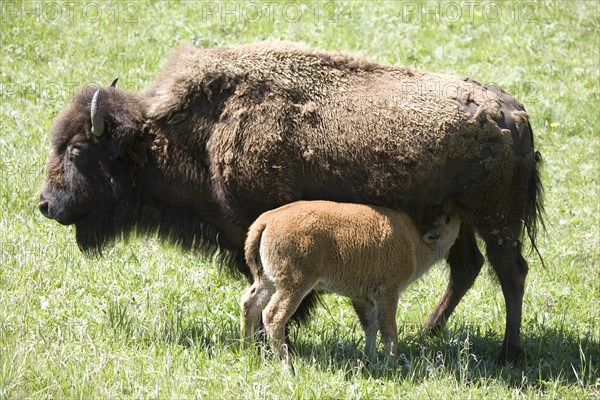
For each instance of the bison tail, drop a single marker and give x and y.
(252, 249)
(534, 210)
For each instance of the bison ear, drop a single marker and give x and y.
(96, 116)
(116, 148)
(137, 153)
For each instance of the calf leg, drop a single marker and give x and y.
(253, 301)
(367, 315)
(511, 269)
(279, 310)
(386, 314)
(465, 261)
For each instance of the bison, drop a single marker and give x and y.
(367, 253)
(225, 134)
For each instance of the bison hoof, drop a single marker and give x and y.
(434, 330)
(510, 354)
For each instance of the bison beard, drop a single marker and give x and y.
(225, 134)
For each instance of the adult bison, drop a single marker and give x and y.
(225, 134)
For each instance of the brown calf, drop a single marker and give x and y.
(367, 253)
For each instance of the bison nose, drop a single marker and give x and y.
(44, 207)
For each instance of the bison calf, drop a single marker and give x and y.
(367, 253)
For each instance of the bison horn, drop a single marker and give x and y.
(97, 117)
(113, 84)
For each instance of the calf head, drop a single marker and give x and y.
(445, 227)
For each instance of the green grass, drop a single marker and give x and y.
(148, 321)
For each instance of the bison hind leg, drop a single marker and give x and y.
(511, 268)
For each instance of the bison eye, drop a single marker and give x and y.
(447, 219)
(74, 153)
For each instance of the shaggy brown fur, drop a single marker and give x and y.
(225, 134)
(367, 253)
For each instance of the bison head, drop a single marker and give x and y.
(91, 170)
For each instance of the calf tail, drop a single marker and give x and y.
(252, 249)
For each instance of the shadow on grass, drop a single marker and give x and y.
(552, 356)
(464, 353)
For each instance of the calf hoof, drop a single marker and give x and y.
(510, 354)
(288, 367)
(391, 361)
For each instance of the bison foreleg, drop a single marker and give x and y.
(465, 261)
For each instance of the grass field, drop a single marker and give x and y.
(148, 321)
